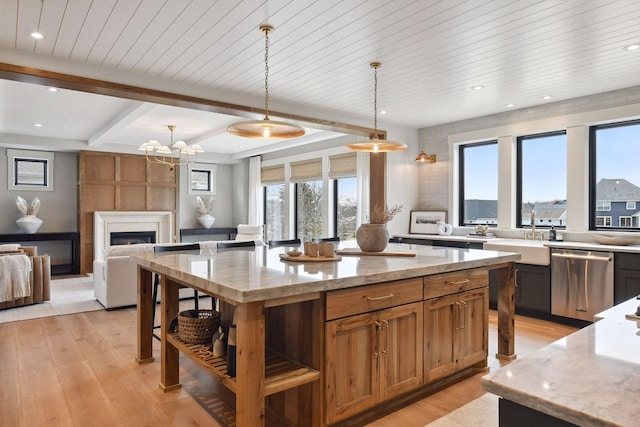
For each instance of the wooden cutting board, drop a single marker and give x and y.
(306, 258)
(358, 252)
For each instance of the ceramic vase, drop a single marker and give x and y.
(29, 224)
(206, 220)
(372, 237)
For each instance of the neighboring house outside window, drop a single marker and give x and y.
(603, 221)
(625, 221)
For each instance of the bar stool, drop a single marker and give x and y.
(278, 243)
(156, 281)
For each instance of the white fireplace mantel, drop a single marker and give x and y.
(107, 222)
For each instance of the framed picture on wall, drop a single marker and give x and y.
(202, 179)
(426, 222)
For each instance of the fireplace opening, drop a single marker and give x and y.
(132, 237)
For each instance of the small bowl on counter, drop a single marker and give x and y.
(294, 253)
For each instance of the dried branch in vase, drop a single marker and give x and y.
(28, 209)
(382, 216)
(204, 209)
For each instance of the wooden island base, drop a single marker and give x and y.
(337, 351)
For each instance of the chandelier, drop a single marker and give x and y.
(174, 154)
(266, 128)
(374, 144)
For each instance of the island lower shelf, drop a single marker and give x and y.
(281, 372)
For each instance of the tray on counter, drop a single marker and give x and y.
(358, 252)
(307, 258)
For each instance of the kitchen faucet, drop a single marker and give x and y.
(533, 234)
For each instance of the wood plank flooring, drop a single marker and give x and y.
(79, 370)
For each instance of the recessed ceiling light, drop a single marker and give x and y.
(53, 89)
(477, 87)
(546, 98)
(38, 125)
(632, 47)
(509, 105)
(36, 35)
(383, 111)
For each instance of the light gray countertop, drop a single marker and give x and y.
(589, 378)
(259, 275)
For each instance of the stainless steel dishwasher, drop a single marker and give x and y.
(581, 283)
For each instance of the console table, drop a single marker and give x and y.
(73, 238)
(230, 232)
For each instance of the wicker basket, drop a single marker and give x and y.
(198, 326)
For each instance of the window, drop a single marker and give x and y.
(30, 170)
(275, 203)
(479, 183)
(614, 176)
(307, 175)
(275, 218)
(631, 206)
(308, 210)
(346, 207)
(342, 170)
(542, 179)
(625, 221)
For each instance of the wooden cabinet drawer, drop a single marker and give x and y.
(362, 299)
(449, 283)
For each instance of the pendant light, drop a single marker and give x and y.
(375, 145)
(266, 128)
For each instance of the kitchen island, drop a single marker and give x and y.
(282, 308)
(589, 378)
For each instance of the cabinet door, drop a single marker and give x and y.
(351, 365)
(440, 318)
(627, 285)
(400, 350)
(472, 327)
(533, 289)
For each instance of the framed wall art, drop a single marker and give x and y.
(426, 222)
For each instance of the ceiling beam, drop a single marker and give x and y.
(127, 116)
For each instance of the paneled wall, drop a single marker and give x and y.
(120, 182)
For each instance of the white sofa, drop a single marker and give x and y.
(115, 277)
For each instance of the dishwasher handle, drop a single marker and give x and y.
(582, 257)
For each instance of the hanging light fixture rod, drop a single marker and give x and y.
(266, 128)
(375, 144)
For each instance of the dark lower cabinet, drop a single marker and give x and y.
(515, 415)
(627, 277)
(533, 290)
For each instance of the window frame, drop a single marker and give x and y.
(592, 179)
(518, 206)
(461, 162)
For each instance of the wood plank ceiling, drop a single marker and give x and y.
(433, 52)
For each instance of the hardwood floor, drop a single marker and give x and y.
(79, 370)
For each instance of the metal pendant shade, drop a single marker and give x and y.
(266, 128)
(376, 145)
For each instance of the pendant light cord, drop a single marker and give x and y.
(375, 101)
(266, 72)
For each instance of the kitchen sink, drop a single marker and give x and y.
(532, 251)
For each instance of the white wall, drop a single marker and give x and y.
(59, 208)
(438, 183)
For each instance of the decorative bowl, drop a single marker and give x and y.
(615, 240)
(294, 253)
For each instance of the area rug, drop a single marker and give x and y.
(481, 412)
(70, 295)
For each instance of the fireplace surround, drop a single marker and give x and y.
(107, 222)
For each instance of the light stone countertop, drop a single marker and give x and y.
(589, 378)
(259, 275)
